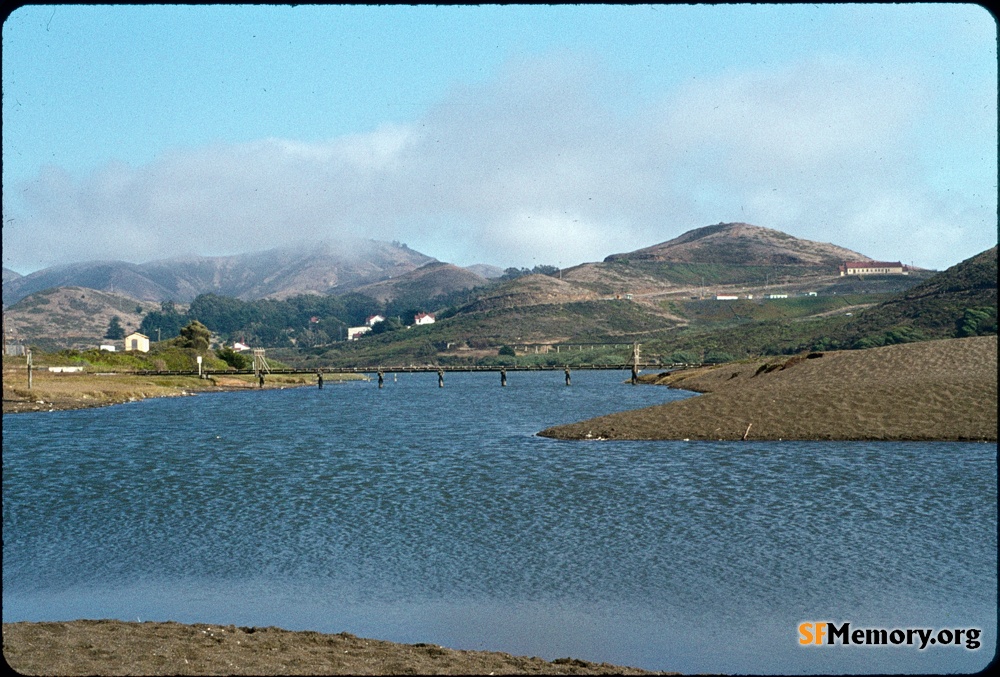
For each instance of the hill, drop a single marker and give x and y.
(10, 275)
(960, 301)
(528, 290)
(546, 311)
(741, 244)
(71, 317)
(485, 270)
(424, 283)
(727, 258)
(278, 273)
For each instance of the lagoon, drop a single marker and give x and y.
(424, 514)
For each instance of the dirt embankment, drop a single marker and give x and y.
(933, 390)
(150, 648)
(62, 391)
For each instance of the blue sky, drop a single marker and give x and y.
(509, 135)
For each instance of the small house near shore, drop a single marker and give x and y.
(137, 342)
(354, 332)
(423, 318)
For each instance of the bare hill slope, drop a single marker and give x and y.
(426, 282)
(278, 273)
(72, 316)
(742, 244)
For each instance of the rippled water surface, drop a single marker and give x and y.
(425, 514)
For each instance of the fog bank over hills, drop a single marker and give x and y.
(321, 268)
(390, 269)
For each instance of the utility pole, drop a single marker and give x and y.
(28, 353)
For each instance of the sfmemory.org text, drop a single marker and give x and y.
(829, 633)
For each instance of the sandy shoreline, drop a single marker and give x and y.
(932, 390)
(109, 647)
(63, 392)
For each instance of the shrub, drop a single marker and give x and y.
(233, 358)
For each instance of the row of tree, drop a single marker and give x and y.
(306, 321)
(514, 273)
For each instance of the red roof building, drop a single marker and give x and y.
(872, 268)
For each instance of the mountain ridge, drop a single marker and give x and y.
(276, 273)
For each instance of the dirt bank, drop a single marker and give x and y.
(62, 391)
(118, 648)
(933, 390)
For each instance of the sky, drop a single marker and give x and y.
(507, 135)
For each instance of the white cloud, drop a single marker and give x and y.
(536, 167)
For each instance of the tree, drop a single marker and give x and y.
(541, 269)
(387, 325)
(115, 330)
(233, 358)
(164, 323)
(195, 335)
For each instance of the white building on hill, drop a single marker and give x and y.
(873, 268)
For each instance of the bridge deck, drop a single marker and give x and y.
(401, 369)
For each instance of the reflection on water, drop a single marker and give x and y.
(420, 514)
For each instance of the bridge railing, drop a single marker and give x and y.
(412, 368)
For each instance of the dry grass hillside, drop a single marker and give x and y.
(426, 282)
(743, 244)
(530, 290)
(77, 316)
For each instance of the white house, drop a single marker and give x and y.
(240, 347)
(354, 332)
(373, 319)
(138, 342)
(107, 347)
(423, 318)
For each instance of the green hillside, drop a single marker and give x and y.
(961, 301)
(481, 335)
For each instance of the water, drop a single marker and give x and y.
(425, 514)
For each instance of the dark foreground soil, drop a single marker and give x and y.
(119, 648)
(933, 390)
